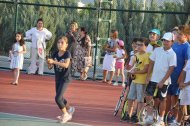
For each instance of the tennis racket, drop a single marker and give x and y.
(118, 105)
(149, 105)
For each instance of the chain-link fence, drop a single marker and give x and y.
(132, 18)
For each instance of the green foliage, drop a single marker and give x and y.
(57, 20)
(138, 24)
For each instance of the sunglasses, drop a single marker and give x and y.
(153, 34)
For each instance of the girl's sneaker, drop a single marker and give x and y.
(70, 111)
(115, 84)
(66, 118)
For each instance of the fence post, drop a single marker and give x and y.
(96, 46)
(16, 15)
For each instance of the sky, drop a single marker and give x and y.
(87, 1)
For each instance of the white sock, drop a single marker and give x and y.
(178, 123)
(175, 121)
(160, 118)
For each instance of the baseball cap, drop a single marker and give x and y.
(120, 43)
(156, 31)
(168, 36)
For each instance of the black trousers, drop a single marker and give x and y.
(61, 87)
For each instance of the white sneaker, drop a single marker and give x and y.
(66, 118)
(71, 110)
(174, 124)
(115, 84)
(148, 121)
(158, 123)
(123, 84)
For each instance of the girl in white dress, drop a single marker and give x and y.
(17, 59)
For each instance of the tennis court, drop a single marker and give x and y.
(32, 102)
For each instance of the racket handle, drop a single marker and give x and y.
(155, 92)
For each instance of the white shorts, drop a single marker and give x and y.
(109, 63)
(184, 97)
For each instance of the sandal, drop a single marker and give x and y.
(109, 82)
(104, 81)
(14, 83)
(85, 77)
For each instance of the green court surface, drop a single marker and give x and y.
(7, 119)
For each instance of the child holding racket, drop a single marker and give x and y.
(120, 55)
(61, 62)
(180, 47)
(162, 63)
(183, 36)
(184, 95)
(138, 85)
(17, 57)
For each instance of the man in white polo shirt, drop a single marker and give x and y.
(162, 63)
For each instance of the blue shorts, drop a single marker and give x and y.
(173, 90)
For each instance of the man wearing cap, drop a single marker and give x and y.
(162, 63)
(154, 36)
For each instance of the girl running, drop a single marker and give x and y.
(61, 62)
(17, 58)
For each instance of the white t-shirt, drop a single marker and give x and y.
(187, 70)
(149, 48)
(34, 35)
(163, 59)
(132, 55)
(119, 54)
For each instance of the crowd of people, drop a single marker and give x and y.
(158, 63)
(162, 64)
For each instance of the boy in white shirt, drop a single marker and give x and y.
(162, 63)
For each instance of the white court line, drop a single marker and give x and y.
(85, 107)
(33, 117)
